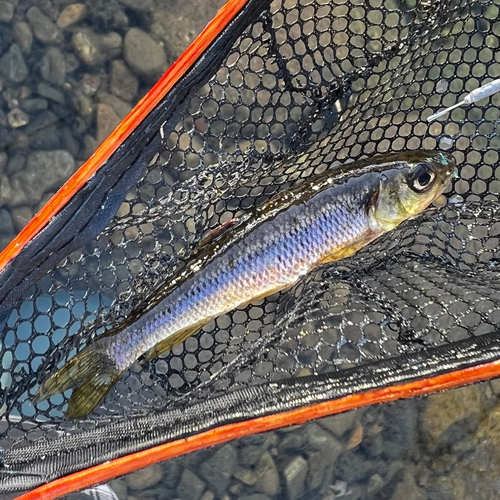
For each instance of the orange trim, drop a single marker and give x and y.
(124, 465)
(123, 130)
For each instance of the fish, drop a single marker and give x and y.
(325, 220)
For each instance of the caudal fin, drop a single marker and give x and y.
(92, 374)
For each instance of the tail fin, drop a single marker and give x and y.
(93, 374)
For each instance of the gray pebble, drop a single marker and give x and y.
(119, 487)
(3, 118)
(16, 163)
(42, 131)
(292, 443)
(23, 36)
(123, 83)
(94, 49)
(44, 171)
(121, 108)
(190, 486)
(144, 478)
(34, 104)
(208, 495)
(268, 479)
(258, 496)
(250, 455)
(44, 29)
(139, 5)
(3, 161)
(219, 468)
(6, 225)
(143, 54)
(45, 90)
(295, 476)
(54, 66)
(12, 65)
(17, 118)
(90, 84)
(21, 216)
(339, 424)
(71, 14)
(107, 120)
(72, 62)
(6, 12)
(375, 484)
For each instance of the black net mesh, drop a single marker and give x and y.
(311, 85)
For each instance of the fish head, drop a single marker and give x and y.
(408, 190)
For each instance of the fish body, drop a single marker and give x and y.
(328, 226)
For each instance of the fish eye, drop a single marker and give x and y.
(421, 177)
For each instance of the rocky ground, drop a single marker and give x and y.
(444, 447)
(69, 72)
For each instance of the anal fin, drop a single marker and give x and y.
(180, 336)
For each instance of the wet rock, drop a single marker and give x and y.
(375, 484)
(90, 84)
(107, 120)
(450, 415)
(17, 118)
(268, 479)
(295, 475)
(6, 12)
(3, 119)
(400, 433)
(250, 455)
(23, 36)
(138, 5)
(12, 65)
(292, 442)
(144, 478)
(34, 104)
(353, 467)
(54, 66)
(71, 15)
(119, 487)
(208, 495)
(45, 90)
(316, 470)
(6, 225)
(16, 163)
(339, 424)
(43, 27)
(246, 476)
(3, 161)
(123, 82)
(42, 131)
(407, 488)
(219, 468)
(258, 496)
(320, 440)
(44, 171)
(143, 54)
(122, 108)
(190, 487)
(94, 49)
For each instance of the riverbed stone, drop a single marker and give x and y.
(107, 120)
(43, 27)
(123, 83)
(44, 171)
(219, 468)
(144, 478)
(71, 14)
(268, 479)
(295, 476)
(144, 55)
(23, 35)
(94, 49)
(53, 67)
(12, 65)
(50, 93)
(6, 224)
(17, 118)
(6, 12)
(190, 486)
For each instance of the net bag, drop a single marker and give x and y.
(284, 90)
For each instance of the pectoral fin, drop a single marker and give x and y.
(348, 249)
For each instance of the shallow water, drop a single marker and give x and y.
(68, 74)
